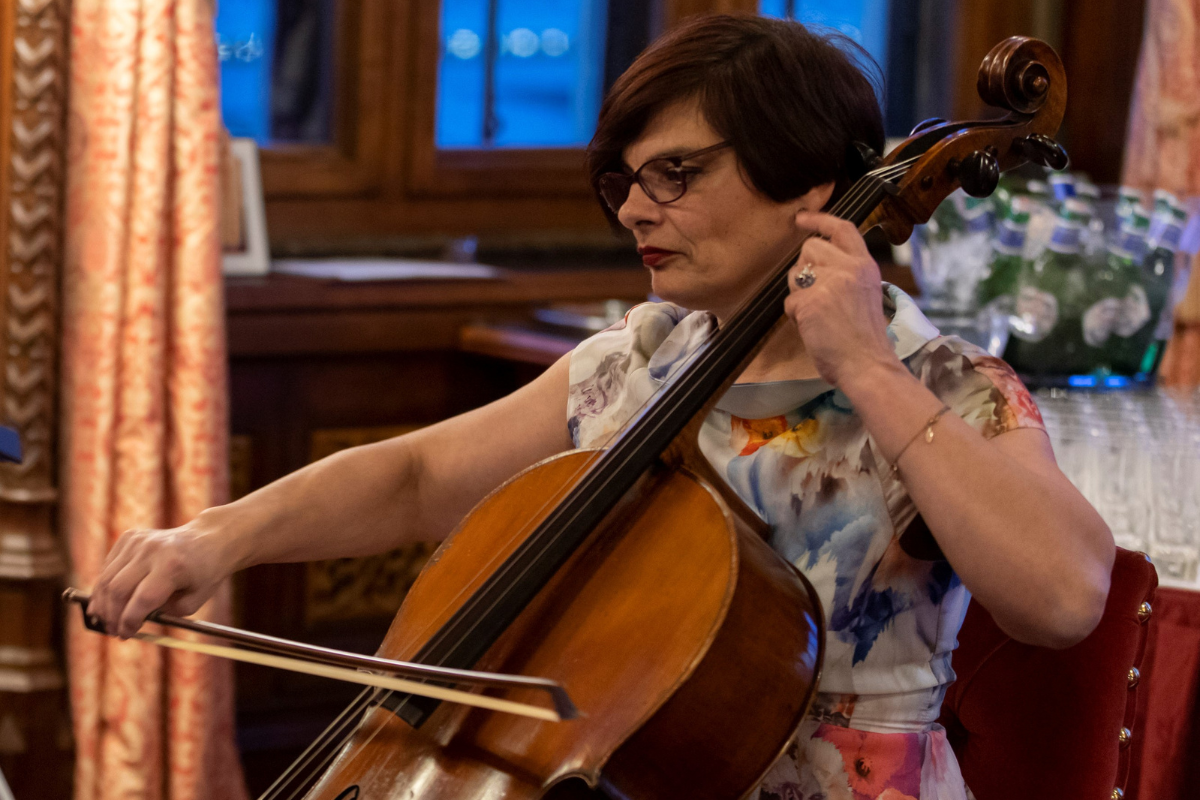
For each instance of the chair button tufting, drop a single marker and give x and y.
(1118, 794)
(1133, 677)
(1144, 612)
(1123, 736)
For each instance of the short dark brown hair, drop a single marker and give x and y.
(791, 100)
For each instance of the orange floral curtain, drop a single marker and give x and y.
(144, 384)
(1162, 150)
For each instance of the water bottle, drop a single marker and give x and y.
(1062, 187)
(1128, 199)
(1117, 306)
(1158, 276)
(1046, 325)
(999, 284)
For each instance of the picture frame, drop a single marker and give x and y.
(244, 243)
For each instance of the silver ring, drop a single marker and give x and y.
(806, 278)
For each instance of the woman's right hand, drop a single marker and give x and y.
(375, 497)
(174, 570)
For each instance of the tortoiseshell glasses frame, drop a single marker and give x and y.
(664, 180)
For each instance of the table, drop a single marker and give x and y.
(1136, 457)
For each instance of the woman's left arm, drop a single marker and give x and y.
(1023, 540)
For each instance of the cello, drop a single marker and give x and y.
(688, 670)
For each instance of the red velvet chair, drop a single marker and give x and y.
(1039, 724)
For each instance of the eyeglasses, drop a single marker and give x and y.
(664, 180)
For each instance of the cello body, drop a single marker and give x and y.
(691, 649)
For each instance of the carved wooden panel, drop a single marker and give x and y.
(344, 589)
(33, 236)
(35, 740)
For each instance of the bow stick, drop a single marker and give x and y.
(337, 664)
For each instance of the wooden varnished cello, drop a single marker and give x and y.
(632, 578)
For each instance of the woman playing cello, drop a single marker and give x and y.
(718, 149)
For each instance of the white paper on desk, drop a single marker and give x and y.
(383, 269)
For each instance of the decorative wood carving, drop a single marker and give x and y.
(34, 726)
(33, 231)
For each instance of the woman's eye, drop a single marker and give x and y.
(679, 174)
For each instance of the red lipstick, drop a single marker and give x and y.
(653, 256)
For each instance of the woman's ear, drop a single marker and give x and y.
(817, 197)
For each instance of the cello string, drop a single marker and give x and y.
(310, 752)
(852, 202)
(303, 774)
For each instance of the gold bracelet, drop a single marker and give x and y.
(927, 429)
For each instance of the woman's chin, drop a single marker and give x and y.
(676, 289)
(666, 289)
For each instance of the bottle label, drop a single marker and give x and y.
(1130, 244)
(1036, 314)
(1165, 232)
(1135, 312)
(1063, 188)
(1065, 238)
(1189, 240)
(1010, 238)
(979, 222)
(1100, 319)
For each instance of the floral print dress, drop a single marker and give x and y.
(798, 454)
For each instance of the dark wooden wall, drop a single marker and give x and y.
(1098, 41)
(1100, 47)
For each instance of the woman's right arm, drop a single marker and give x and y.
(357, 502)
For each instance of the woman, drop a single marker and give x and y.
(718, 149)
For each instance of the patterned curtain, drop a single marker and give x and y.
(1162, 149)
(144, 384)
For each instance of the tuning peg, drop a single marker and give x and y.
(869, 158)
(1043, 150)
(929, 123)
(978, 173)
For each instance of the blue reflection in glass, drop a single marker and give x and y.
(548, 73)
(245, 46)
(864, 21)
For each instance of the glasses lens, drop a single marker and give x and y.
(614, 188)
(663, 181)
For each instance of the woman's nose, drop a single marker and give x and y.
(638, 208)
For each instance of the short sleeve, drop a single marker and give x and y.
(978, 387)
(610, 372)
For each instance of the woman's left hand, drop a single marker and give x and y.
(840, 315)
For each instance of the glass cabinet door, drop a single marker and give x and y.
(276, 60)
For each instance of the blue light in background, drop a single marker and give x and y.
(864, 21)
(245, 46)
(548, 73)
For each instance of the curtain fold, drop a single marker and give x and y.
(144, 380)
(1162, 149)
